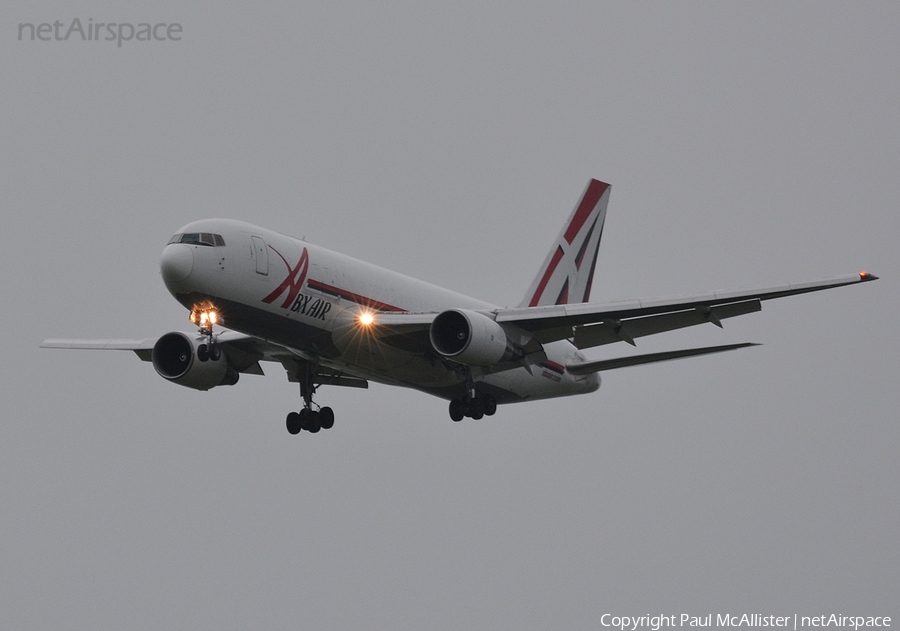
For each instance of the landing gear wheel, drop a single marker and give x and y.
(304, 418)
(490, 405)
(326, 418)
(456, 410)
(476, 408)
(293, 423)
(313, 422)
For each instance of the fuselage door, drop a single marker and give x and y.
(261, 254)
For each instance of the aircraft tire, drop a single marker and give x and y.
(326, 418)
(293, 423)
(313, 422)
(490, 405)
(476, 408)
(456, 410)
(304, 418)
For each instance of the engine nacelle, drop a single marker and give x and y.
(470, 338)
(191, 362)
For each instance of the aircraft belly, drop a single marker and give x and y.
(546, 380)
(409, 371)
(369, 358)
(524, 386)
(363, 357)
(268, 326)
(361, 351)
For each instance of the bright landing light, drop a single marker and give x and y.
(205, 317)
(366, 319)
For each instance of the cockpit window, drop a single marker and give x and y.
(198, 238)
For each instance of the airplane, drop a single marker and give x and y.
(330, 319)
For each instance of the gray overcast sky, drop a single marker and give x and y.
(747, 144)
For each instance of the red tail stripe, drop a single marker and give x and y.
(592, 195)
(587, 289)
(563, 298)
(584, 245)
(557, 257)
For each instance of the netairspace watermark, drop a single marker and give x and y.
(91, 31)
(792, 621)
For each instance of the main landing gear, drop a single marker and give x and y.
(475, 406)
(309, 419)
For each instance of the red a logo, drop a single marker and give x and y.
(293, 282)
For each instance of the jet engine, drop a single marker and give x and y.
(469, 337)
(192, 362)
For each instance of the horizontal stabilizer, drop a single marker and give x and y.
(622, 362)
(100, 345)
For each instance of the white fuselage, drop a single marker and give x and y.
(309, 299)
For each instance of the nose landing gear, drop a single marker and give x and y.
(205, 317)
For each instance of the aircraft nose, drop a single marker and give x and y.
(176, 263)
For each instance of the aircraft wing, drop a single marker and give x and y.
(244, 352)
(594, 324)
(143, 348)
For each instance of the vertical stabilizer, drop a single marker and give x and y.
(567, 272)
